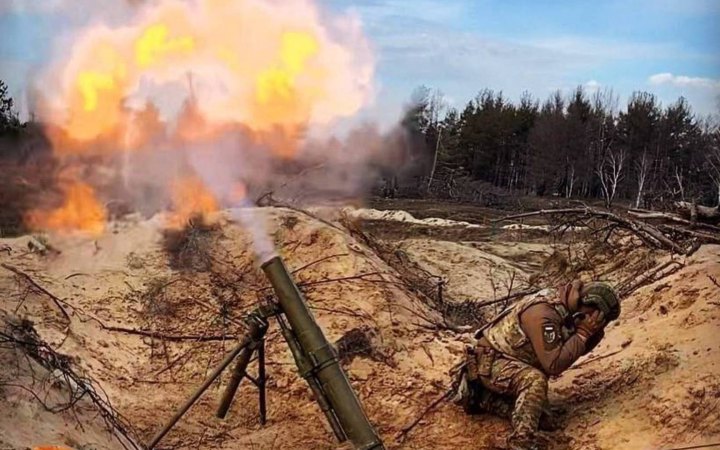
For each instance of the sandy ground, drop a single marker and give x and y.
(653, 383)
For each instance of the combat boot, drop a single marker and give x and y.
(501, 443)
(552, 419)
(468, 394)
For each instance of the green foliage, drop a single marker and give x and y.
(559, 148)
(9, 121)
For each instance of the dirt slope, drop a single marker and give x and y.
(660, 388)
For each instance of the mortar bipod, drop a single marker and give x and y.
(259, 316)
(255, 335)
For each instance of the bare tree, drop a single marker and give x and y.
(642, 168)
(679, 179)
(571, 178)
(712, 130)
(713, 159)
(435, 158)
(610, 172)
(435, 106)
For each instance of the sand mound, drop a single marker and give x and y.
(653, 381)
(404, 216)
(134, 278)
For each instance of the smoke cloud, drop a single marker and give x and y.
(194, 105)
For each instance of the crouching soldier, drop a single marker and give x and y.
(506, 372)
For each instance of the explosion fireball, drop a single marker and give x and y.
(180, 74)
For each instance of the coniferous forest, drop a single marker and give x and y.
(580, 145)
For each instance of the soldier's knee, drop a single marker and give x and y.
(534, 379)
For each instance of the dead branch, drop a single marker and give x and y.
(634, 283)
(168, 337)
(22, 334)
(362, 277)
(268, 200)
(407, 428)
(656, 215)
(310, 264)
(646, 232)
(592, 360)
(58, 302)
(506, 298)
(714, 281)
(699, 212)
(540, 212)
(701, 236)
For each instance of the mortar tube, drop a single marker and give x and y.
(323, 357)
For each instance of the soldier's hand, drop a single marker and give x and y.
(591, 324)
(574, 292)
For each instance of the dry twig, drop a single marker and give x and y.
(23, 335)
(58, 302)
(407, 428)
(168, 337)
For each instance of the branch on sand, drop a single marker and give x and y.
(661, 237)
(407, 428)
(634, 283)
(714, 281)
(23, 336)
(667, 217)
(267, 199)
(507, 298)
(699, 212)
(318, 261)
(22, 275)
(168, 337)
(592, 360)
(61, 304)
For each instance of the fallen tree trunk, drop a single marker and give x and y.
(646, 232)
(679, 238)
(667, 217)
(699, 212)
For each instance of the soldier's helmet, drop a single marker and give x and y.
(602, 296)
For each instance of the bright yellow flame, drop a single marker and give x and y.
(278, 83)
(296, 49)
(89, 83)
(249, 74)
(154, 45)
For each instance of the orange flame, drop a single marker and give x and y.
(274, 72)
(80, 211)
(276, 68)
(190, 198)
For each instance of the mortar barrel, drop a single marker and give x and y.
(328, 372)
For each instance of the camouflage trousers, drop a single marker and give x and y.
(510, 379)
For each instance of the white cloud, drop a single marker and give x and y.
(78, 10)
(684, 81)
(592, 85)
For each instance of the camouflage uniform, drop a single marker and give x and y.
(528, 386)
(524, 345)
(505, 364)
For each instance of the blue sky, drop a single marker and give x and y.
(669, 47)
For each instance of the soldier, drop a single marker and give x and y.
(530, 341)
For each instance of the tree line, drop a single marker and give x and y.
(580, 145)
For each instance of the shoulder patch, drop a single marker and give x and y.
(550, 334)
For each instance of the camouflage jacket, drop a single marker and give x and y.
(505, 333)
